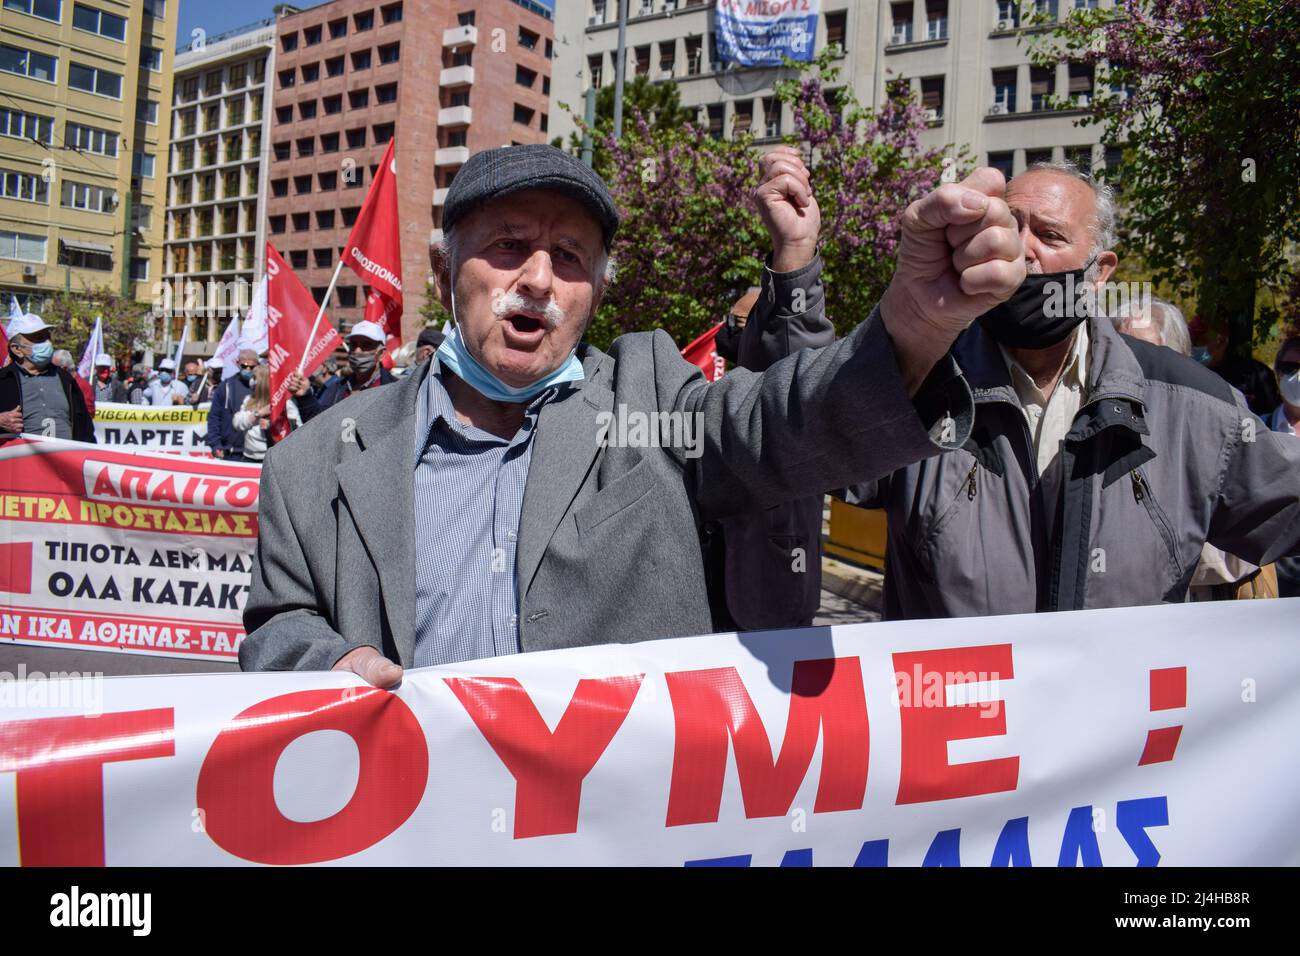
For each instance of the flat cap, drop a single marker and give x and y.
(494, 173)
(429, 336)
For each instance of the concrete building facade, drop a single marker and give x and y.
(216, 216)
(446, 77)
(85, 87)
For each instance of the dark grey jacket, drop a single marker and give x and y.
(1162, 457)
(609, 537)
(769, 574)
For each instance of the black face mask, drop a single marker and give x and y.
(1043, 311)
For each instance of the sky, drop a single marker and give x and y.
(218, 16)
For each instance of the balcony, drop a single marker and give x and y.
(457, 37)
(456, 76)
(451, 156)
(440, 197)
(454, 116)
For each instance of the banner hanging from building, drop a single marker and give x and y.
(766, 32)
(171, 428)
(108, 550)
(1127, 737)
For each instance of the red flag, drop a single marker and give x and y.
(290, 313)
(704, 353)
(4, 347)
(374, 249)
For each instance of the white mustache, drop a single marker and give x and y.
(510, 302)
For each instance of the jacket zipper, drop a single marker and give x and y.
(971, 487)
(1142, 495)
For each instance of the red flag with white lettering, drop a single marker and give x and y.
(374, 248)
(704, 353)
(290, 313)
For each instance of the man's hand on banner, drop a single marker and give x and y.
(12, 420)
(371, 666)
(788, 208)
(959, 256)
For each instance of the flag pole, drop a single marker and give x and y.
(319, 313)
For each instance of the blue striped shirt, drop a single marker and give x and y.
(469, 492)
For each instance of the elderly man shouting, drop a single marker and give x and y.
(481, 506)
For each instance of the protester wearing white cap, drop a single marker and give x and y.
(365, 345)
(165, 390)
(36, 396)
(108, 387)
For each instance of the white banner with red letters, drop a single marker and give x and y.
(109, 550)
(174, 428)
(1114, 737)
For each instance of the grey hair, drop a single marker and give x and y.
(1103, 230)
(447, 250)
(1168, 317)
(63, 359)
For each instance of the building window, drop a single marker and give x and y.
(327, 182)
(1045, 8)
(279, 187)
(307, 109)
(322, 258)
(525, 76)
(390, 52)
(280, 151)
(550, 48)
(356, 138)
(936, 19)
(387, 93)
(237, 77)
(22, 125)
(715, 113)
(528, 39)
(1008, 14)
(523, 115)
(391, 13)
(932, 98)
(139, 269)
(212, 83)
(29, 63)
(902, 23)
(289, 42)
(325, 218)
(363, 21)
(151, 59)
(334, 66)
(100, 22)
(771, 117)
(383, 133)
(329, 143)
(1081, 84)
(306, 147)
(22, 246)
(301, 185)
(361, 60)
(298, 258)
(310, 72)
(349, 215)
(1005, 162)
(1033, 156)
(347, 296)
(462, 58)
(1080, 156)
(742, 117)
(593, 69)
(311, 36)
(693, 55)
(284, 114)
(146, 111)
(301, 221)
(80, 258)
(142, 165)
(465, 19)
(338, 29)
(189, 88)
(235, 112)
(286, 79)
(358, 99)
(641, 56)
(456, 138)
(45, 9)
(276, 224)
(1040, 87)
(87, 197)
(333, 104)
(835, 28)
(91, 140)
(156, 9)
(1004, 91)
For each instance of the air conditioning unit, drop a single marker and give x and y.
(900, 36)
(1083, 99)
(647, 8)
(932, 115)
(29, 272)
(667, 74)
(996, 109)
(1003, 25)
(594, 20)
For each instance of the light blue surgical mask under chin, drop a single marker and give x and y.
(1201, 354)
(42, 354)
(454, 356)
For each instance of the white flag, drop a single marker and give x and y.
(180, 347)
(86, 368)
(253, 335)
(228, 350)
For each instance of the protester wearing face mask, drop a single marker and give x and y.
(108, 388)
(38, 397)
(225, 440)
(164, 389)
(365, 348)
(197, 387)
(1099, 465)
(1245, 373)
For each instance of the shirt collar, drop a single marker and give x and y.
(1074, 375)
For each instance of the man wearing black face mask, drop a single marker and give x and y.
(365, 347)
(1099, 465)
(225, 440)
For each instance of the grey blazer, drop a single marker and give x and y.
(609, 537)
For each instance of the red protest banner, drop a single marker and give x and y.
(704, 353)
(290, 312)
(374, 250)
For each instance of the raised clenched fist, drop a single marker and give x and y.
(786, 204)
